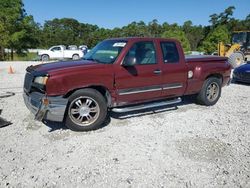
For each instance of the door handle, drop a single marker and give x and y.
(157, 71)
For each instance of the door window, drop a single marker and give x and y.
(143, 53)
(56, 49)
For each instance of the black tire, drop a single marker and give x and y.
(210, 86)
(82, 110)
(45, 57)
(75, 57)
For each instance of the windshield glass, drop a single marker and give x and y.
(106, 52)
(239, 38)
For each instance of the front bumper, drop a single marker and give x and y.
(53, 109)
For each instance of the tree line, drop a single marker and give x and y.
(19, 31)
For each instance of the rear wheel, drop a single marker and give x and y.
(236, 59)
(210, 92)
(75, 57)
(87, 110)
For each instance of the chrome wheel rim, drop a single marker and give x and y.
(212, 91)
(84, 111)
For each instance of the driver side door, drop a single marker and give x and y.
(141, 81)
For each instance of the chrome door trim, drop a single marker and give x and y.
(172, 86)
(139, 90)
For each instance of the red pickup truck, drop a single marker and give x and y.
(121, 75)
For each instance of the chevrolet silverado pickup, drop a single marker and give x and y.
(122, 74)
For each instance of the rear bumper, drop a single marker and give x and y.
(54, 110)
(226, 81)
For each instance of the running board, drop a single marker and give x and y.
(146, 106)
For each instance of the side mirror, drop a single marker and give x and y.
(129, 62)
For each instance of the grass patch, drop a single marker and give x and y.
(24, 57)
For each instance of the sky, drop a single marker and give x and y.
(118, 13)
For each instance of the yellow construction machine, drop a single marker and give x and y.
(238, 51)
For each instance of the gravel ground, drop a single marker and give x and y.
(187, 146)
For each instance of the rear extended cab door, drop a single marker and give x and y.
(142, 81)
(174, 69)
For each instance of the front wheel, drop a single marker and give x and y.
(210, 92)
(87, 110)
(45, 57)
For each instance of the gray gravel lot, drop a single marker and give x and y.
(191, 146)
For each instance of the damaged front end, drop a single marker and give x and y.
(42, 106)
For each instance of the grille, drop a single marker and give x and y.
(28, 81)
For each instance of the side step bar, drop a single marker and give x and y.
(146, 106)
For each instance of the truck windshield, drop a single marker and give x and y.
(106, 52)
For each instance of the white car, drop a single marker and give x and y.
(59, 52)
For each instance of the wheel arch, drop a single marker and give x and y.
(103, 90)
(76, 54)
(44, 55)
(216, 75)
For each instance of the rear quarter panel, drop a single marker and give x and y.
(204, 69)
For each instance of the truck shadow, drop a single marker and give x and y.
(138, 113)
(54, 126)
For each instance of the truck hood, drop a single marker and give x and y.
(56, 66)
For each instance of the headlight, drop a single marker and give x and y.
(41, 80)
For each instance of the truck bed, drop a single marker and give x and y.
(204, 58)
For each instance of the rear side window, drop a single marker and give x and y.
(170, 52)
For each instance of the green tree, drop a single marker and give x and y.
(65, 31)
(154, 28)
(17, 29)
(194, 34)
(26, 35)
(219, 34)
(97, 36)
(176, 33)
(135, 29)
(86, 33)
(222, 18)
(10, 13)
(237, 25)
